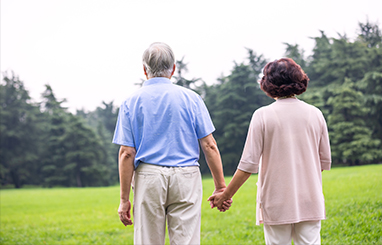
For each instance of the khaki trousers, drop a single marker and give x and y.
(172, 193)
(307, 232)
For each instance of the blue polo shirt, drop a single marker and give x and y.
(163, 122)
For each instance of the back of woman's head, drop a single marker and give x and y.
(283, 77)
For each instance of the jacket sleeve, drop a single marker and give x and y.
(253, 147)
(324, 147)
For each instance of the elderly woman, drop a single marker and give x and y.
(288, 145)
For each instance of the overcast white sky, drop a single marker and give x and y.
(90, 51)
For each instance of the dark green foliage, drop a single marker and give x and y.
(231, 104)
(353, 108)
(346, 85)
(19, 140)
(75, 154)
(371, 86)
(83, 156)
(44, 144)
(334, 59)
(181, 68)
(295, 53)
(103, 121)
(352, 141)
(370, 34)
(56, 126)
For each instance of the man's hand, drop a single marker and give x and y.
(126, 172)
(124, 212)
(223, 200)
(218, 200)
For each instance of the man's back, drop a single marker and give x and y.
(158, 128)
(166, 122)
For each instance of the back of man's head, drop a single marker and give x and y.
(158, 60)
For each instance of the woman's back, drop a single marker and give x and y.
(294, 133)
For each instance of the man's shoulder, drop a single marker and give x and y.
(137, 93)
(162, 90)
(187, 91)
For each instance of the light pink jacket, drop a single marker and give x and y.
(289, 141)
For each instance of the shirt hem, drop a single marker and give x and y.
(248, 167)
(213, 130)
(123, 143)
(292, 221)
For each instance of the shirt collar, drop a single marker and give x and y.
(157, 80)
(287, 100)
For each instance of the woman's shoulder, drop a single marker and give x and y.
(311, 107)
(262, 109)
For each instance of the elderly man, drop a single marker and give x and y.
(159, 127)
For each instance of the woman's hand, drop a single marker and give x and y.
(220, 201)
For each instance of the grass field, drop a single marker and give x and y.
(89, 216)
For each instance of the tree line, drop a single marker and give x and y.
(44, 144)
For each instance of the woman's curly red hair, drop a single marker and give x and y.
(283, 77)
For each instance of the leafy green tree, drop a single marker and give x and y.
(103, 121)
(320, 59)
(19, 138)
(45, 144)
(56, 121)
(334, 61)
(351, 140)
(231, 104)
(370, 34)
(371, 87)
(256, 62)
(83, 156)
(180, 80)
(295, 53)
(233, 114)
(73, 153)
(339, 59)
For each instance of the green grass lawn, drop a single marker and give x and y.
(89, 216)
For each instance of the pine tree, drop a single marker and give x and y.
(83, 156)
(232, 103)
(180, 80)
(296, 54)
(351, 140)
(19, 138)
(56, 121)
(371, 86)
(103, 120)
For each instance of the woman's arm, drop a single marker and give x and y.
(237, 181)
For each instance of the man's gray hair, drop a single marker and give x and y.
(158, 60)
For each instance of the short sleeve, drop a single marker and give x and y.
(123, 134)
(203, 122)
(253, 147)
(324, 150)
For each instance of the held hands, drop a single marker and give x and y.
(217, 199)
(220, 201)
(124, 212)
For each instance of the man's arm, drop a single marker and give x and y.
(126, 171)
(212, 155)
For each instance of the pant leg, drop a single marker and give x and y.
(307, 232)
(184, 206)
(149, 205)
(278, 234)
